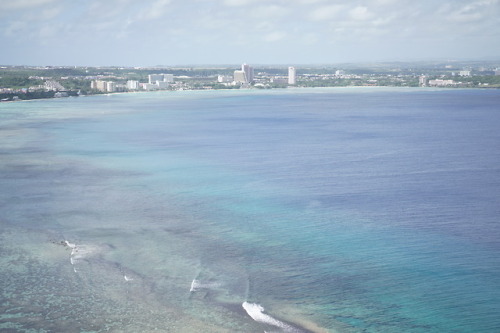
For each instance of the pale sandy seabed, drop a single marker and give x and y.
(55, 285)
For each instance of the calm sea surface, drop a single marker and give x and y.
(322, 210)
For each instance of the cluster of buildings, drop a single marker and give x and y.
(246, 76)
(439, 83)
(243, 77)
(48, 85)
(112, 80)
(104, 86)
(52, 85)
(155, 82)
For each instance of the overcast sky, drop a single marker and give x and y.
(183, 32)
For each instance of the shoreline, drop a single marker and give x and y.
(253, 89)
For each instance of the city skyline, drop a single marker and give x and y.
(195, 32)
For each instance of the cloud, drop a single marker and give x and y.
(325, 12)
(13, 29)
(275, 36)
(155, 11)
(474, 11)
(385, 2)
(240, 27)
(47, 32)
(22, 4)
(50, 13)
(269, 11)
(104, 10)
(383, 21)
(237, 3)
(360, 13)
(310, 38)
(264, 25)
(309, 2)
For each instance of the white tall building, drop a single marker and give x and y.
(240, 77)
(422, 81)
(162, 84)
(224, 78)
(149, 86)
(248, 70)
(292, 78)
(152, 78)
(132, 85)
(168, 78)
(160, 80)
(110, 86)
(99, 85)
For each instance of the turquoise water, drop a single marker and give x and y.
(339, 210)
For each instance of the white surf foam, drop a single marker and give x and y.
(256, 312)
(197, 285)
(79, 252)
(194, 285)
(71, 245)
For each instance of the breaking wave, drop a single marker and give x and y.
(256, 312)
(80, 252)
(197, 285)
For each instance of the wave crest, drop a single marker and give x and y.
(256, 312)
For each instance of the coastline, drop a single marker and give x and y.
(260, 89)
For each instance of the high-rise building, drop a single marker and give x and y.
(168, 78)
(240, 77)
(422, 80)
(292, 76)
(162, 84)
(224, 78)
(159, 80)
(100, 85)
(104, 86)
(152, 78)
(156, 78)
(248, 70)
(132, 85)
(110, 86)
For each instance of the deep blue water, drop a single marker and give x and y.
(356, 209)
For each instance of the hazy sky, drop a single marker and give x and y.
(178, 32)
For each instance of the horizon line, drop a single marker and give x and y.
(284, 64)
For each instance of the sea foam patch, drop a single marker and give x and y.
(256, 312)
(197, 285)
(81, 252)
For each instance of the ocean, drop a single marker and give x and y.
(295, 210)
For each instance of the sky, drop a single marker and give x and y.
(202, 32)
